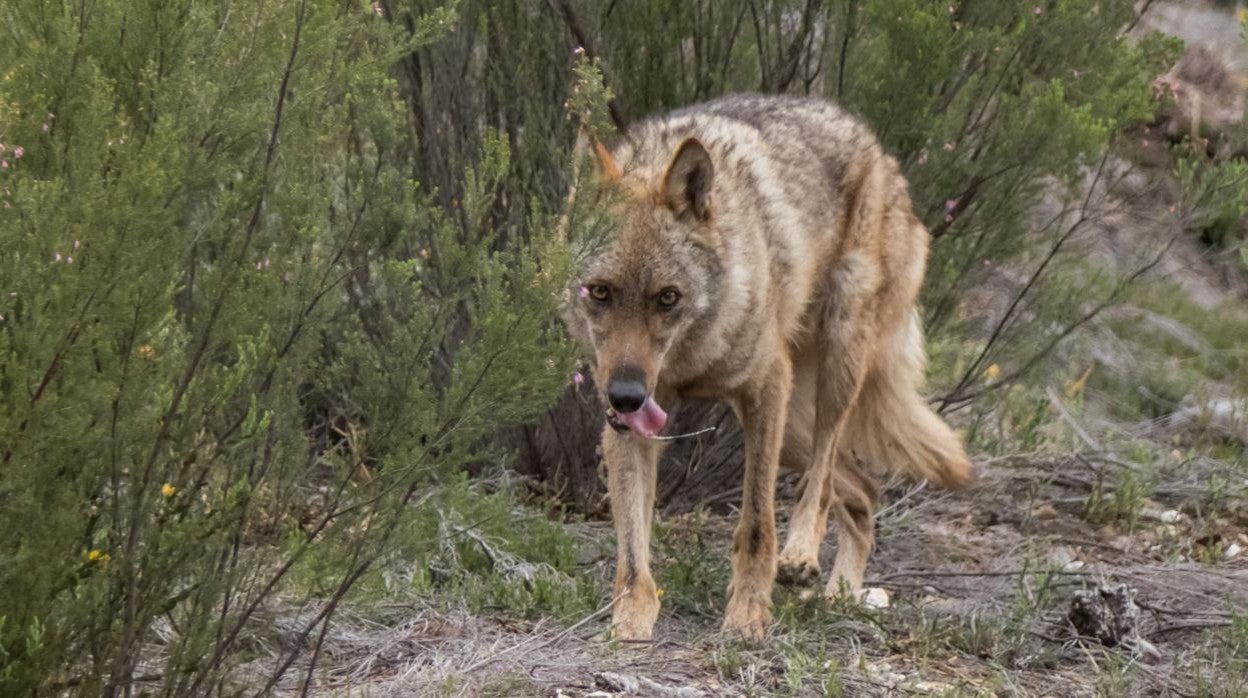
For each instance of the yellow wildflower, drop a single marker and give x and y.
(658, 593)
(147, 352)
(992, 372)
(97, 556)
(168, 489)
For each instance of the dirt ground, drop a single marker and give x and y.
(981, 584)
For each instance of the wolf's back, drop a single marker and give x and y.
(808, 141)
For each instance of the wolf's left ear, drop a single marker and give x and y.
(687, 184)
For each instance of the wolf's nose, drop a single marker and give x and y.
(626, 391)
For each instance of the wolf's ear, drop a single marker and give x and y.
(604, 162)
(687, 184)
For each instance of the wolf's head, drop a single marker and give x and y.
(653, 280)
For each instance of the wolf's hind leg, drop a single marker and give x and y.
(843, 347)
(631, 468)
(854, 495)
(838, 386)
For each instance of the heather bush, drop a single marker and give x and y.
(242, 338)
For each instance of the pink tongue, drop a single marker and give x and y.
(646, 421)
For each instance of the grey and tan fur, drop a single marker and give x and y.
(767, 255)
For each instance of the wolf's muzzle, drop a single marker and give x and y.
(626, 389)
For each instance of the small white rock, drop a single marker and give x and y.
(1061, 556)
(1073, 566)
(1232, 551)
(875, 597)
(1170, 516)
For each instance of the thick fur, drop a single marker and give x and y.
(790, 240)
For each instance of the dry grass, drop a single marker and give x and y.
(980, 581)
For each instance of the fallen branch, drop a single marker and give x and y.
(1006, 573)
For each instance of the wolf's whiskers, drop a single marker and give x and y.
(684, 436)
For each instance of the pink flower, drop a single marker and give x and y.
(44, 127)
(583, 292)
(948, 217)
(18, 152)
(4, 164)
(577, 378)
(377, 7)
(1037, 9)
(950, 205)
(947, 146)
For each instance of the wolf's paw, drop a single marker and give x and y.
(635, 615)
(842, 588)
(797, 573)
(748, 617)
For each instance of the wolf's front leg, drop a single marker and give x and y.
(761, 406)
(631, 465)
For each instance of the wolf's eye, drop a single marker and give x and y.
(600, 293)
(668, 298)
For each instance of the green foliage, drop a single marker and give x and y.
(1121, 500)
(1217, 195)
(690, 567)
(1221, 667)
(1202, 344)
(244, 334)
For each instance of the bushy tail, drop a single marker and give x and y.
(892, 427)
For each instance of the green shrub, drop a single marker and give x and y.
(242, 337)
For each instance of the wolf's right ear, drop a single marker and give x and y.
(604, 162)
(687, 184)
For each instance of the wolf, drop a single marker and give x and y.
(765, 253)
